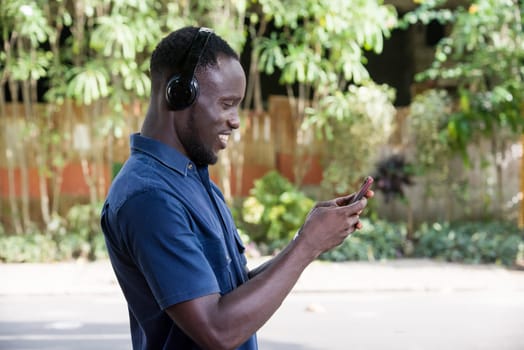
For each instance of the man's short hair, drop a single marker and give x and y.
(168, 57)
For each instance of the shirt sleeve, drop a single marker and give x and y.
(157, 231)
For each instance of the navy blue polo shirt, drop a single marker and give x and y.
(171, 238)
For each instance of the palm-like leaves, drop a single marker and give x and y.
(321, 43)
(88, 84)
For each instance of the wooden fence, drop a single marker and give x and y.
(264, 143)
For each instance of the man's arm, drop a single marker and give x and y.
(225, 322)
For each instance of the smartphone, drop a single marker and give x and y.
(363, 189)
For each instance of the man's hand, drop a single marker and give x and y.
(328, 224)
(341, 201)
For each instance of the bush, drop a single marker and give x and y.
(83, 233)
(275, 210)
(468, 242)
(476, 242)
(78, 235)
(379, 240)
(27, 248)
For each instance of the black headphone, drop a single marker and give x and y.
(182, 89)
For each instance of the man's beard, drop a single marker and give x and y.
(195, 148)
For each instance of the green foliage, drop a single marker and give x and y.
(275, 209)
(83, 232)
(482, 59)
(96, 54)
(427, 11)
(479, 242)
(483, 56)
(319, 48)
(428, 115)
(77, 236)
(27, 248)
(377, 240)
(315, 41)
(88, 84)
(356, 124)
(468, 242)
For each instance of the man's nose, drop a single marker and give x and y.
(234, 120)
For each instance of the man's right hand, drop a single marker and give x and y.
(329, 224)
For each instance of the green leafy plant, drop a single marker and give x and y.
(482, 57)
(83, 232)
(77, 236)
(275, 209)
(432, 154)
(355, 124)
(377, 240)
(428, 115)
(477, 242)
(27, 248)
(319, 48)
(92, 59)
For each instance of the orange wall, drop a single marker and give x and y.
(73, 181)
(34, 191)
(313, 175)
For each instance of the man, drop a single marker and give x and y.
(170, 236)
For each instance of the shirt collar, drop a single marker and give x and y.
(165, 154)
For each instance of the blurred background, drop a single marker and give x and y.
(426, 96)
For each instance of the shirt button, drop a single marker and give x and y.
(190, 166)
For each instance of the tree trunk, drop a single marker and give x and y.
(20, 152)
(302, 156)
(10, 150)
(225, 176)
(42, 147)
(521, 212)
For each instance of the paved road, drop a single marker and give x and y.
(398, 305)
(306, 321)
(403, 321)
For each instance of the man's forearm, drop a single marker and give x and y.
(258, 299)
(262, 267)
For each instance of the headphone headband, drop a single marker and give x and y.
(195, 51)
(182, 89)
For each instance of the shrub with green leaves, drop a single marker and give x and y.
(356, 125)
(275, 209)
(78, 235)
(34, 247)
(83, 236)
(429, 111)
(475, 242)
(377, 240)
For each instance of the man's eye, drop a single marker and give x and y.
(228, 104)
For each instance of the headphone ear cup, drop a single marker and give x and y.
(181, 93)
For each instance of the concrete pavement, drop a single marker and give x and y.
(81, 278)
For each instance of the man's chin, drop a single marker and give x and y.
(213, 158)
(210, 160)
